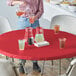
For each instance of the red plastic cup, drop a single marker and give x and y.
(62, 42)
(31, 20)
(19, 13)
(56, 29)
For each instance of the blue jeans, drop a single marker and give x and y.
(23, 22)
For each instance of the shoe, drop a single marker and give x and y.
(21, 69)
(36, 67)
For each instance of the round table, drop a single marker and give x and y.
(9, 46)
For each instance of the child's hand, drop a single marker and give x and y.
(10, 3)
(20, 13)
(32, 19)
(17, 2)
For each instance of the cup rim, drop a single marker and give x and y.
(63, 39)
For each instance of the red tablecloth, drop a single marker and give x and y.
(9, 46)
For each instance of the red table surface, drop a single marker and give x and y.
(9, 46)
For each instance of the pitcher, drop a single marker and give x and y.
(39, 37)
(29, 35)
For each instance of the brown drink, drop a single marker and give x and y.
(62, 42)
(56, 28)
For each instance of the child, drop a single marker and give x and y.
(32, 9)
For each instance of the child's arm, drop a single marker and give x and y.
(13, 2)
(40, 11)
(9, 2)
(18, 2)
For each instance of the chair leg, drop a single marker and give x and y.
(15, 70)
(43, 68)
(22, 66)
(59, 67)
(69, 69)
(25, 69)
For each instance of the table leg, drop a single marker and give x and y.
(12, 59)
(7, 57)
(43, 68)
(59, 67)
(52, 64)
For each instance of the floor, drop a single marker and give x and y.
(49, 70)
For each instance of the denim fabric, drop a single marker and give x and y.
(23, 22)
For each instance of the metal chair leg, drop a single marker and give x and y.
(59, 67)
(25, 69)
(69, 69)
(22, 62)
(43, 68)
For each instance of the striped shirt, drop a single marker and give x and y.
(31, 6)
